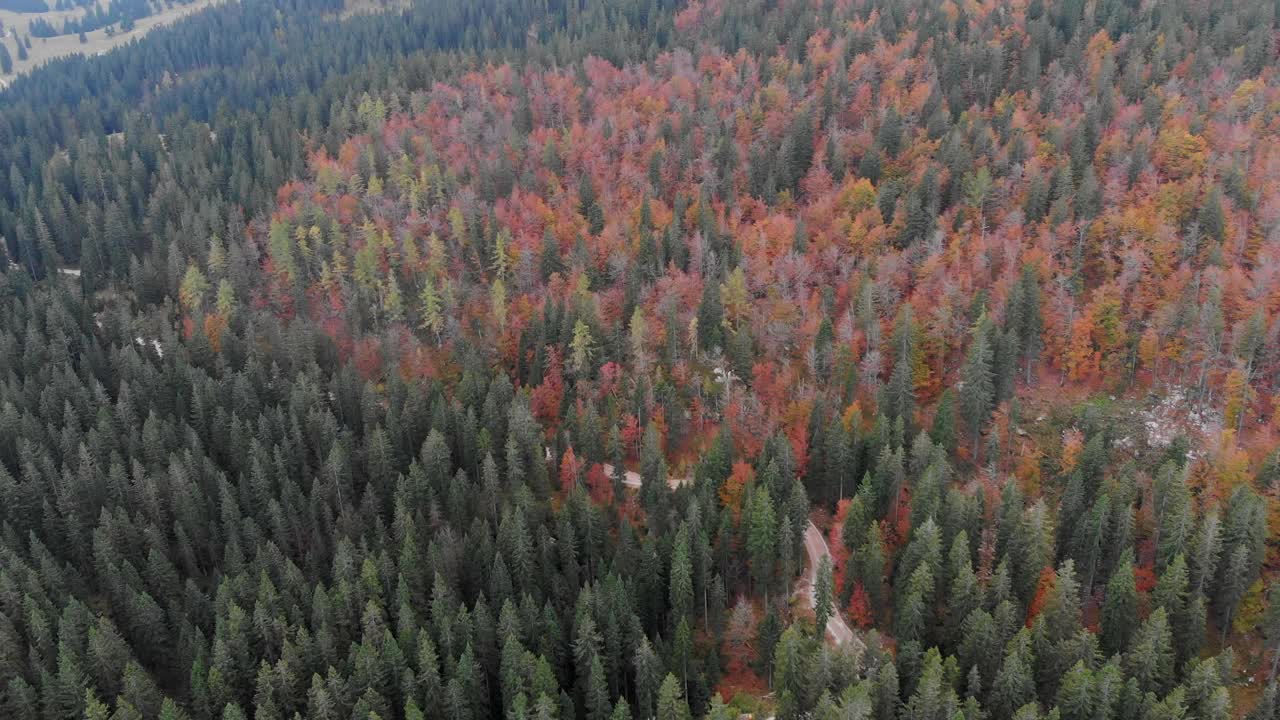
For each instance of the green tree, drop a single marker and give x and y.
(977, 394)
(898, 395)
(943, 432)
(1150, 656)
(432, 320)
(710, 317)
(1271, 627)
(823, 591)
(1014, 684)
(1119, 609)
(671, 703)
(681, 583)
(648, 678)
(194, 287)
(762, 541)
(871, 566)
(589, 205)
(767, 637)
(1171, 594)
(581, 349)
(934, 698)
(1075, 698)
(977, 191)
(597, 692)
(94, 709)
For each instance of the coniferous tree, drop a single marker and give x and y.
(1271, 628)
(823, 591)
(1150, 657)
(648, 671)
(762, 541)
(710, 317)
(1119, 610)
(671, 703)
(977, 395)
(1014, 684)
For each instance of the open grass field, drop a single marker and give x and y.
(42, 50)
(99, 41)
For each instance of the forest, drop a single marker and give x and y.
(508, 359)
(120, 13)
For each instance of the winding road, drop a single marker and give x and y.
(815, 546)
(631, 478)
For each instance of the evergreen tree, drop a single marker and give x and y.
(1150, 657)
(762, 541)
(671, 704)
(977, 394)
(1014, 684)
(710, 317)
(1119, 610)
(648, 671)
(822, 605)
(1271, 628)
(1076, 695)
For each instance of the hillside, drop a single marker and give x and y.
(18, 27)
(868, 360)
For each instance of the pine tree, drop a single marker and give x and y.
(432, 320)
(1271, 627)
(94, 709)
(1119, 610)
(964, 594)
(977, 394)
(943, 432)
(823, 604)
(671, 704)
(1150, 656)
(597, 693)
(871, 565)
(589, 205)
(1171, 594)
(621, 711)
(581, 349)
(912, 614)
(1075, 698)
(1014, 684)
(648, 671)
(1173, 514)
(550, 262)
(898, 395)
(681, 583)
(934, 698)
(889, 136)
(767, 637)
(762, 541)
(1211, 218)
(710, 317)
(682, 650)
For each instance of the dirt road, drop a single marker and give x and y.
(815, 546)
(631, 478)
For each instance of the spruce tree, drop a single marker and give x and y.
(823, 591)
(1150, 657)
(1119, 610)
(671, 703)
(977, 394)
